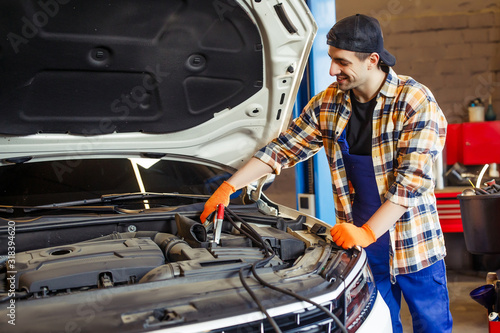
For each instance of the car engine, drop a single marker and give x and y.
(145, 256)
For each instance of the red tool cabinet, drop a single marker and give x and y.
(448, 208)
(469, 144)
(473, 143)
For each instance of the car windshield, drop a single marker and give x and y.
(42, 183)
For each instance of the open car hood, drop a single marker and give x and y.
(211, 79)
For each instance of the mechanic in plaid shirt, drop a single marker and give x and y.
(381, 133)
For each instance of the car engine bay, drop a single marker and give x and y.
(124, 258)
(174, 268)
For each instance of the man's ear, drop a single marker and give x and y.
(373, 60)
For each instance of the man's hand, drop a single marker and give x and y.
(348, 235)
(220, 196)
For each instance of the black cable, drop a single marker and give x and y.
(297, 296)
(261, 242)
(259, 304)
(301, 298)
(257, 235)
(266, 284)
(241, 230)
(267, 258)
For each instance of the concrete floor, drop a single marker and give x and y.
(468, 315)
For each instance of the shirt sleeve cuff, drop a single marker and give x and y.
(400, 195)
(271, 158)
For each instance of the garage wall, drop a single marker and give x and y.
(453, 47)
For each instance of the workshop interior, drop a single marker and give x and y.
(121, 118)
(467, 173)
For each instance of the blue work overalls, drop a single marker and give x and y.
(425, 291)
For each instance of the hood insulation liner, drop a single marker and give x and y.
(94, 67)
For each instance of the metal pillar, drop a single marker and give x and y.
(312, 178)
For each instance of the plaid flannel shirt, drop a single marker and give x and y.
(409, 131)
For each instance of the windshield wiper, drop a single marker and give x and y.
(86, 203)
(6, 209)
(148, 195)
(28, 209)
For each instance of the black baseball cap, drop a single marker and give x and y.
(360, 33)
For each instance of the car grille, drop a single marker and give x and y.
(311, 320)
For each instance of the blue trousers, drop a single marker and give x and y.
(424, 291)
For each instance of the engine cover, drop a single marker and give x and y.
(83, 264)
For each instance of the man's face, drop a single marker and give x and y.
(351, 72)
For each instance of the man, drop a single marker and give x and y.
(381, 133)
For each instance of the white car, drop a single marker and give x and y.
(119, 119)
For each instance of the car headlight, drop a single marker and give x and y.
(360, 296)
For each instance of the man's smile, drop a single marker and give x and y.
(341, 78)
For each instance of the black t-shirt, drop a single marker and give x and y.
(359, 126)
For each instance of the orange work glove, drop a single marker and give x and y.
(220, 196)
(348, 235)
